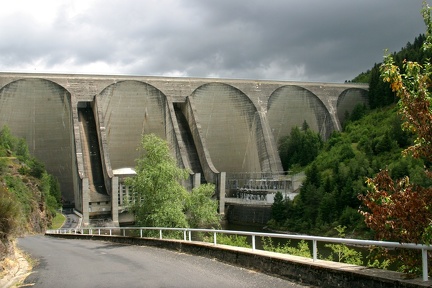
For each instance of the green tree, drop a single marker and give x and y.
(278, 208)
(158, 195)
(299, 148)
(159, 199)
(201, 208)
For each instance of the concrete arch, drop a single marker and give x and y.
(289, 106)
(231, 128)
(348, 99)
(39, 111)
(130, 109)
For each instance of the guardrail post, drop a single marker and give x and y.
(99, 231)
(314, 250)
(91, 231)
(425, 265)
(190, 235)
(214, 238)
(253, 242)
(110, 232)
(140, 233)
(160, 233)
(184, 235)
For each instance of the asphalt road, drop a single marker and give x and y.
(88, 263)
(71, 221)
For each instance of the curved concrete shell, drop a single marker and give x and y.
(131, 109)
(348, 100)
(230, 127)
(290, 106)
(39, 111)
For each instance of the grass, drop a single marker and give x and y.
(58, 221)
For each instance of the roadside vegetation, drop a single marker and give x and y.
(29, 196)
(58, 221)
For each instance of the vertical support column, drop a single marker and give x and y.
(221, 187)
(86, 200)
(114, 200)
(196, 180)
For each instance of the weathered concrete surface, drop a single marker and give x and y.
(39, 111)
(235, 125)
(300, 269)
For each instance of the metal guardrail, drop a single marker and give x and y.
(187, 236)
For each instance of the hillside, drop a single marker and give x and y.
(29, 196)
(337, 176)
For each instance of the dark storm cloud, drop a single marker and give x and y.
(334, 40)
(307, 40)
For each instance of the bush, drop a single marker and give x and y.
(231, 240)
(302, 248)
(341, 252)
(9, 214)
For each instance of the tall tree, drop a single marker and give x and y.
(399, 210)
(278, 208)
(158, 193)
(300, 147)
(159, 199)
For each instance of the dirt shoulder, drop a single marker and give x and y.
(14, 270)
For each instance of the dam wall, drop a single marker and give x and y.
(234, 125)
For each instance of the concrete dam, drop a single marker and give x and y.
(86, 128)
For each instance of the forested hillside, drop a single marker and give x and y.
(371, 140)
(328, 197)
(29, 196)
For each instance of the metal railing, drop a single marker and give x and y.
(187, 236)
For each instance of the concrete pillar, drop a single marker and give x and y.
(86, 200)
(114, 200)
(196, 180)
(221, 187)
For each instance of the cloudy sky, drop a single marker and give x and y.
(295, 40)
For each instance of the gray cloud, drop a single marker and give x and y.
(308, 40)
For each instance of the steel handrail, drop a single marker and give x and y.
(187, 236)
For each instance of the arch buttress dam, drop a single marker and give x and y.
(86, 128)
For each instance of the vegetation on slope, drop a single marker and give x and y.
(29, 196)
(299, 148)
(329, 195)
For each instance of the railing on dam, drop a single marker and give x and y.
(187, 236)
